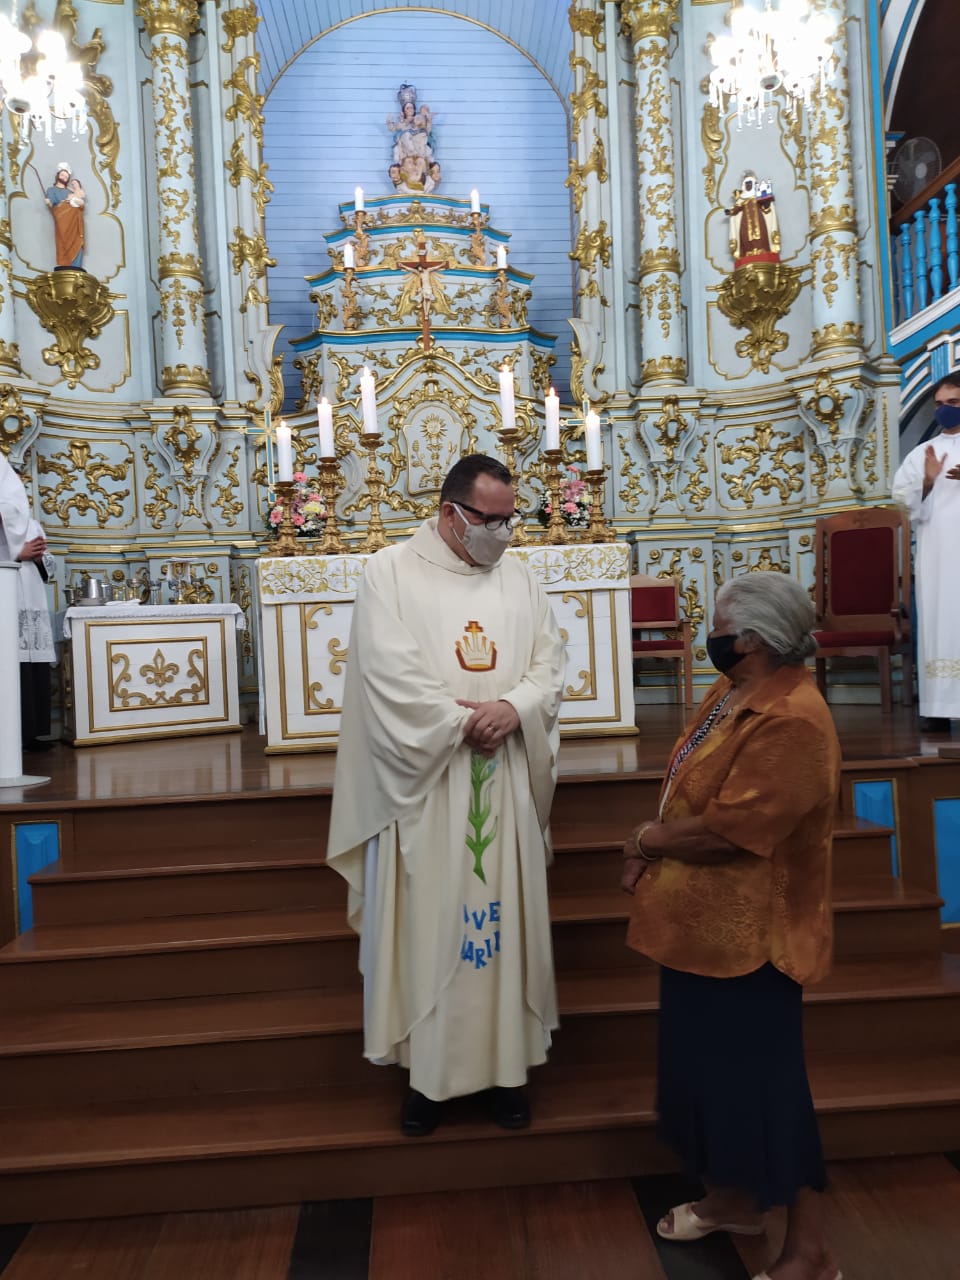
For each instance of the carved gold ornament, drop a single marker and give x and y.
(251, 250)
(588, 23)
(238, 23)
(826, 404)
(591, 245)
(588, 97)
(170, 17)
(10, 356)
(596, 162)
(849, 334)
(755, 297)
(80, 488)
(74, 306)
(156, 509)
(15, 422)
(646, 18)
(764, 453)
(664, 369)
(238, 166)
(185, 377)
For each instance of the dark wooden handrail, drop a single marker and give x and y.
(950, 174)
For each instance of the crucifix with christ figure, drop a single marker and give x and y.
(423, 291)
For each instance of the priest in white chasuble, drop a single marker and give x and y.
(445, 776)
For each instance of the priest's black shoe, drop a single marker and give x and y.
(510, 1108)
(935, 724)
(419, 1115)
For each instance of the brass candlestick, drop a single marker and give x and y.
(286, 543)
(361, 239)
(509, 439)
(598, 529)
(556, 528)
(351, 312)
(478, 246)
(376, 538)
(331, 544)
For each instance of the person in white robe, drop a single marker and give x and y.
(444, 780)
(927, 483)
(22, 539)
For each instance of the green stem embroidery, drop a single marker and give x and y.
(481, 772)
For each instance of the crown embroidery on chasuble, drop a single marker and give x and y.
(475, 652)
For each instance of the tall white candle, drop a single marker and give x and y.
(349, 257)
(551, 435)
(284, 452)
(507, 407)
(501, 257)
(474, 201)
(325, 429)
(368, 399)
(269, 451)
(358, 199)
(591, 433)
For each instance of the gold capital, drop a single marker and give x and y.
(169, 17)
(649, 18)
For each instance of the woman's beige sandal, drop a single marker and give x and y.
(687, 1226)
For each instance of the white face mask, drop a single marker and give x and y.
(482, 545)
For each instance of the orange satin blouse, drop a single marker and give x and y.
(765, 779)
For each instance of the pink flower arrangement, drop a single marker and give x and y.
(308, 513)
(574, 501)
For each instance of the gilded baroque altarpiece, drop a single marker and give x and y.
(133, 393)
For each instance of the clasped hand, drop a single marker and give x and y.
(933, 467)
(489, 725)
(34, 549)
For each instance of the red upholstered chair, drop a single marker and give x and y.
(655, 606)
(863, 592)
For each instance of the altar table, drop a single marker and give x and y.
(306, 605)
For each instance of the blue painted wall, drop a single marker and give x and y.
(36, 844)
(499, 126)
(947, 825)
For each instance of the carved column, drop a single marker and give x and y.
(833, 239)
(249, 333)
(185, 373)
(9, 351)
(588, 179)
(650, 23)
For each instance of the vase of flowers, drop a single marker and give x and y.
(574, 501)
(308, 514)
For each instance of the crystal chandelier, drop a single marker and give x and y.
(50, 97)
(769, 49)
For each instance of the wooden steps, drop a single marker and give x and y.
(182, 1027)
(282, 1147)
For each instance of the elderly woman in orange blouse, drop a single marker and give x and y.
(732, 898)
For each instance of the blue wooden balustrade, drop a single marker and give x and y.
(922, 246)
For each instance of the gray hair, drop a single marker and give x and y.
(775, 608)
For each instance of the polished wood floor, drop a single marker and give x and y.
(228, 764)
(887, 1220)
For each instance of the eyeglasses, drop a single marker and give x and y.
(493, 523)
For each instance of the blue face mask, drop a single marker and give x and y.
(948, 416)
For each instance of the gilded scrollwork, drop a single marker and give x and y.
(339, 653)
(826, 403)
(251, 250)
(182, 438)
(156, 509)
(632, 488)
(695, 489)
(239, 167)
(755, 297)
(238, 23)
(80, 488)
(588, 97)
(15, 421)
(156, 675)
(764, 453)
(595, 163)
(227, 499)
(711, 135)
(591, 245)
(587, 23)
(242, 593)
(247, 103)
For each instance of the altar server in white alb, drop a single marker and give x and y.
(22, 539)
(445, 776)
(928, 484)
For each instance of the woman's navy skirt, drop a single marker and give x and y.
(732, 1092)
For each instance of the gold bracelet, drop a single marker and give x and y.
(638, 842)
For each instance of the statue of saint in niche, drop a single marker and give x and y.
(414, 170)
(66, 200)
(754, 231)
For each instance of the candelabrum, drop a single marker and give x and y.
(361, 239)
(556, 529)
(285, 543)
(478, 246)
(509, 439)
(331, 543)
(376, 538)
(351, 312)
(598, 530)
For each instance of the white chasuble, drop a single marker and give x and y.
(445, 851)
(936, 520)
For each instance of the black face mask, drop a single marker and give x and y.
(721, 652)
